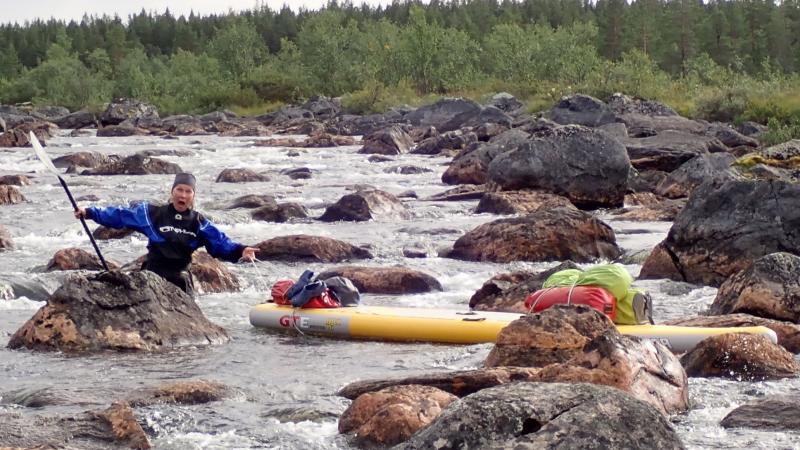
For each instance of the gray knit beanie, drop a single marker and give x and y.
(185, 178)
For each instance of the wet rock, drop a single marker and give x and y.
(774, 413)
(81, 159)
(365, 205)
(547, 415)
(392, 415)
(407, 170)
(122, 130)
(545, 235)
(520, 202)
(240, 176)
(788, 333)
(123, 109)
(135, 165)
(694, 172)
(390, 141)
(409, 252)
(507, 291)
(191, 392)
(581, 109)
(5, 239)
(769, 288)
(117, 311)
(740, 356)
(379, 159)
(385, 280)
(588, 167)
(10, 195)
(252, 201)
(19, 136)
(669, 149)
(472, 167)
(280, 212)
(554, 335)
(76, 259)
(408, 194)
(211, 275)
(306, 248)
(36, 287)
(724, 228)
(300, 173)
(15, 180)
(460, 193)
(116, 426)
(106, 233)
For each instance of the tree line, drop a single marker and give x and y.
(732, 59)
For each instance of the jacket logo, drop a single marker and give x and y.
(167, 229)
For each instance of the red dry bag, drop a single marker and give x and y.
(596, 297)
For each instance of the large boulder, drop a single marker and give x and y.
(188, 392)
(505, 102)
(252, 201)
(740, 356)
(783, 151)
(121, 130)
(323, 107)
(123, 109)
(669, 149)
(485, 116)
(625, 104)
(78, 119)
(385, 280)
(545, 235)
(135, 165)
(507, 291)
(280, 212)
(642, 125)
(309, 249)
(286, 116)
(446, 143)
(692, 173)
(117, 311)
(19, 136)
(471, 166)
(390, 141)
(773, 413)
(114, 427)
(581, 109)
(106, 233)
(587, 166)
(15, 180)
(240, 176)
(82, 159)
(212, 275)
(392, 415)
(443, 112)
(10, 195)
(724, 227)
(788, 333)
(769, 288)
(76, 259)
(547, 416)
(366, 205)
(730, 136)
(555, 335)
(520, 202)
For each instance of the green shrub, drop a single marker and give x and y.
(780, 132)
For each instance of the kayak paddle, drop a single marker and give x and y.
(37, 147)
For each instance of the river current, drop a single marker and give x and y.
(286, 384)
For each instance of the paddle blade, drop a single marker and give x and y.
(37, 147)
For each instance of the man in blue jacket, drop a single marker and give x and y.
(174, 231)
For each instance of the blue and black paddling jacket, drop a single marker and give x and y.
(173, 236)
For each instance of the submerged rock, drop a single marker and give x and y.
(77, 259)
(10, 195)
(190, 392)
(240, 176)
(135, 165)
(365, 205)
(5, 239)
(212, 275)
(117, 311)
(114, 427)
(768, 414)
(306, 248)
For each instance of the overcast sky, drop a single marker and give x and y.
(22, 10)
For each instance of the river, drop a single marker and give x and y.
(286, 384)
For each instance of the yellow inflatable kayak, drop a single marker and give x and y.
(446, 326)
